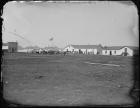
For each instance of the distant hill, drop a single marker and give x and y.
(32, 47)
(20, 47)
(52, 48)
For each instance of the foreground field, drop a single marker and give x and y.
(67, 80)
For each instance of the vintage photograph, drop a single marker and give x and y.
(70, 53)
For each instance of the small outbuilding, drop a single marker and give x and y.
(10, 47)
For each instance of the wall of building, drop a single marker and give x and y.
(129, 51)
(95, 51)
(5, 48)
(118, 52)
(85, 51)
(12, 46)
(105, 52)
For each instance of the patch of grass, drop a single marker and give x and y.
(67, 73)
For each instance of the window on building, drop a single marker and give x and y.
(115, 51)
(125, 50)
(110, 52)
(105, 51)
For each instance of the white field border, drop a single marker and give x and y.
(102, 64)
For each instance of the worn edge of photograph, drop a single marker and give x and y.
(134, 92)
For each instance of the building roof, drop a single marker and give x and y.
(12, 42)
(5, 44)
(120, 47)
(86, 46)
(113, 47)
(133, 47)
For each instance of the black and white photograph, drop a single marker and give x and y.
(70, 53)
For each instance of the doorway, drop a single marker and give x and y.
(125, 52)
(110, 52)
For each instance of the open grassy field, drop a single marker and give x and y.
(67, 80)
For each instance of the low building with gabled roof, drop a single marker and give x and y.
(119, 50)
(85, 49)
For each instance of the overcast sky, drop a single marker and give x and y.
(34, 23)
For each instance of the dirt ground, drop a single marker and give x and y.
(67, 80)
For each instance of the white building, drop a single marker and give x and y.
(118, 50)
(4, 47)
(26, 50)
(85, 49)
